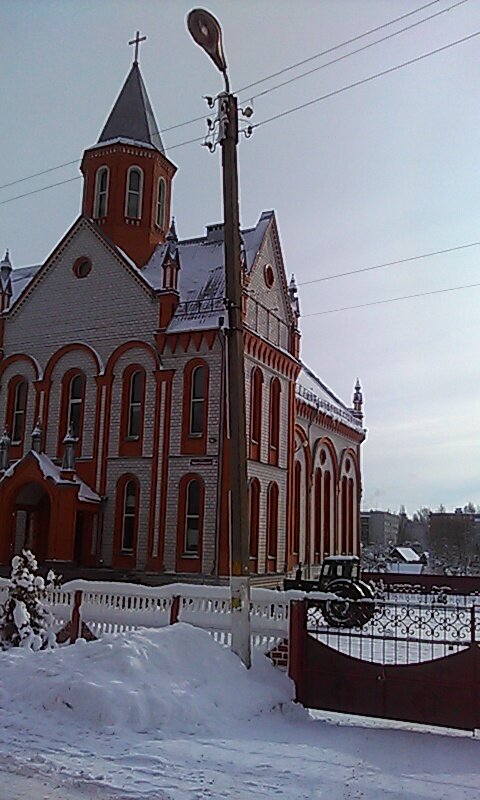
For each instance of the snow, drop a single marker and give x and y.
(168, 714)
(53, 472)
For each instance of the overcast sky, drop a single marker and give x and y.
(381, 172)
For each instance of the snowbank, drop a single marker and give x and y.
(171, 680)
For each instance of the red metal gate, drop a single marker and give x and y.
(441, 690)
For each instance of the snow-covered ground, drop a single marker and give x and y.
(171, 715)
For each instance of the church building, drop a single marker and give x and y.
(114, 447)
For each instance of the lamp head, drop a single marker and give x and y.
(207, 33)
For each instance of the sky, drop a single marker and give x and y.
(383, 171)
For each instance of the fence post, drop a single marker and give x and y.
(473, 631)
(174, 609)
(76, 621)
(296, 645)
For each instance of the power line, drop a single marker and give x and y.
(391, 263)
(268, 77)
(366, 80)
(336, 47)
(289, 111)
(359, 50)
(391, 300)
(77, 177)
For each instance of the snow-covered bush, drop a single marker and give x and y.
(24, 620)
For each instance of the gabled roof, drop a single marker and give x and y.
(132, 115)
(202, 273)
(21, 278)
(51, 471)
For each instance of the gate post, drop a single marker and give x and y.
(296, 650)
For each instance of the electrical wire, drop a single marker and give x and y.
(391, 300)
(354, 52)
(391, 263)
(275, 74)
(365, 80)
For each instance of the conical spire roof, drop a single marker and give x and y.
(132, 115)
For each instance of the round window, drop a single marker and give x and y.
(82, 267)
(269, 275)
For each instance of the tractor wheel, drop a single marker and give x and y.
(364, 611)
(341, 613)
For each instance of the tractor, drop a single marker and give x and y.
(339, 575)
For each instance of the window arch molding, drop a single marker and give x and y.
(72, 407)
(190, 521)
(127, 509)
(195, 406)
(102, 185)
(134, 382)
(134, 192)
(16, 417)
(161, 208)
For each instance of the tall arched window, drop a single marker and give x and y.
(272, 528)
(129, 517)
(191, 501)
(76, 394)
(195, 407)
(197, 401)
(327, 523)
(256, 413)
(133, 200)
(19, 410)
(254, 501)
(318, 515)
(297, 507)
(135, 402)
(344, 506)
(101, 193)
(161, 203)
(274, 432)
(192, 518)
(133, 411)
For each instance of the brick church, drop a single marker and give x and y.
(113, 394)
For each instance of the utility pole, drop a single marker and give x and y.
(207, 33)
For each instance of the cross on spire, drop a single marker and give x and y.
(136, 42)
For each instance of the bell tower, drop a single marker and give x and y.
(127, 176)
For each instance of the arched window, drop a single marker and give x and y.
(161, 203)
(344, 506)
(135, 401)
(297, 507)
(129, 517)
(195, 407)
(192, 518)
(272, 528)
(274, 432)
(133, 201)
(318, 515)
(327, 525)
(101, 193)
(75, 404)
(256, 413)
(197, 401)
(19, 409)
(254, 501)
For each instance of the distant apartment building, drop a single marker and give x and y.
(379, 527)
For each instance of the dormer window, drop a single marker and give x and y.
(133, 200)
(101, 193)
(161, 203)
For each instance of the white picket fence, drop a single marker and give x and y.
(117, 607)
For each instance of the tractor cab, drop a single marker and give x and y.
(335, 567)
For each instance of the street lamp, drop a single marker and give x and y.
(207, 33)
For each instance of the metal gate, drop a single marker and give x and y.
(412, 661)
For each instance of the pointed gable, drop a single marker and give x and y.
(132, 115)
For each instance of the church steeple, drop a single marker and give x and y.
(127, 175)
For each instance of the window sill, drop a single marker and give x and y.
(132, 439)
(189, 555)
